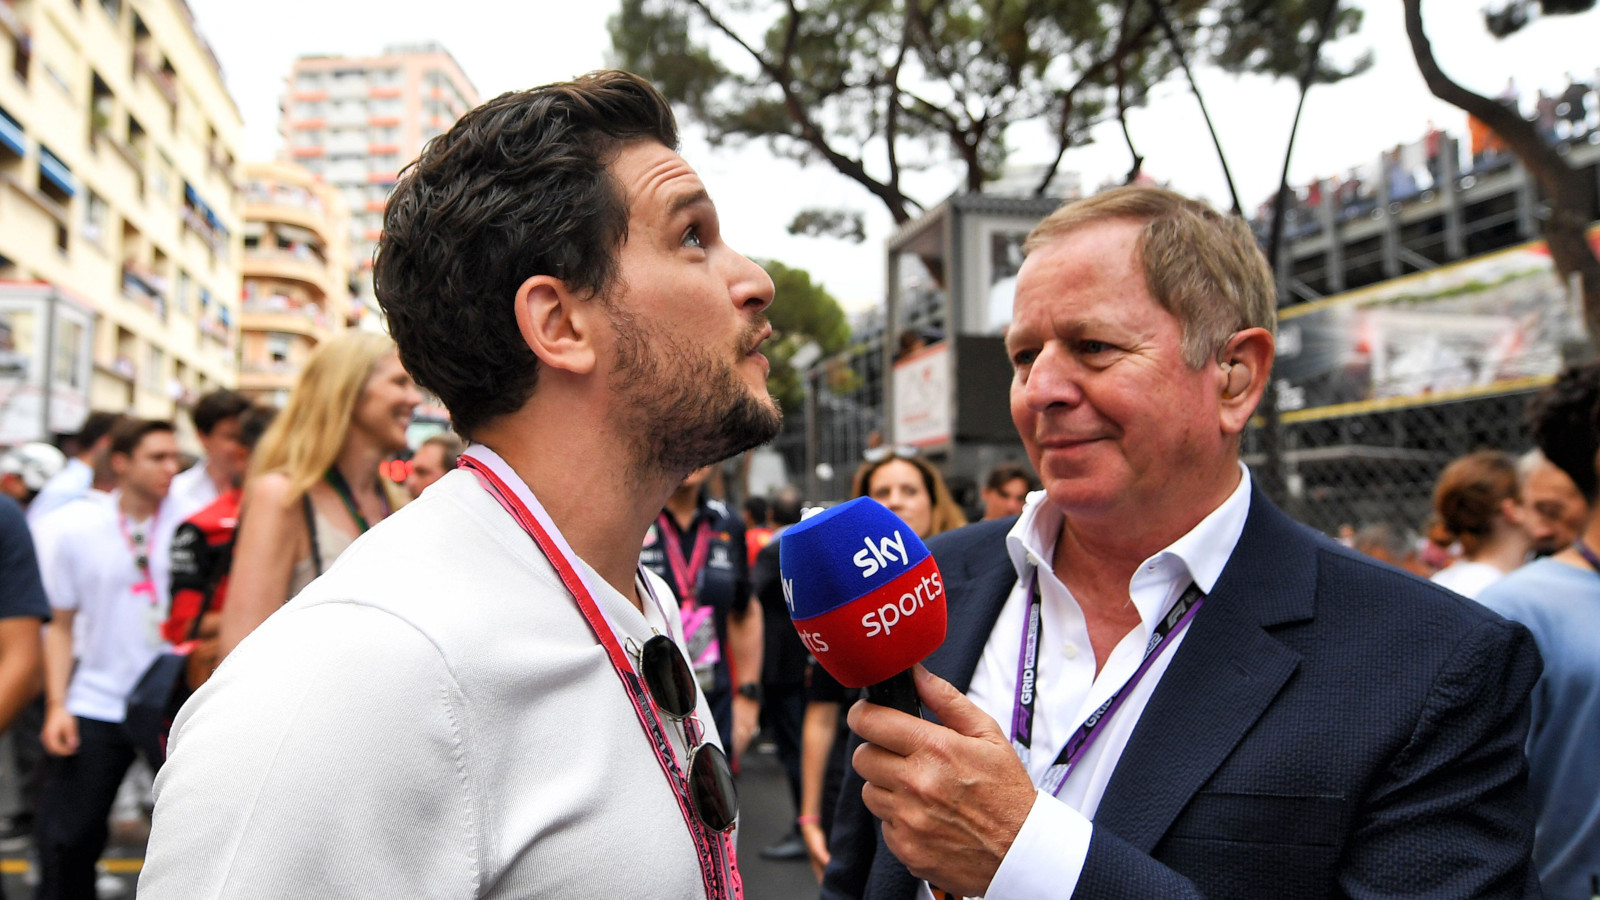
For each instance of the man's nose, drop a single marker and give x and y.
(1053, 379)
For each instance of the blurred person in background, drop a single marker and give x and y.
(26, 468)
(315, 484)
(436, 456)
(216, 421)
(783, 664)
(88, 464)
(915, 491)
(758, 529)
(1553, 509)
(106, 582)
(202, 557)
(23, 609)
(1477, 503)
(1389, 544)
(697, 546)
(1006, 490)
(1558, 599)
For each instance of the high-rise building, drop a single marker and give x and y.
(355, 121)
(296, 275)
(119, 216)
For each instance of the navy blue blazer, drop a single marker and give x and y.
(1330, 727)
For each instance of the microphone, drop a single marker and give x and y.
(865, 596)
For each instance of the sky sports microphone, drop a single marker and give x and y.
(866, 597)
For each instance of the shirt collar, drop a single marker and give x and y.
(1203, 551)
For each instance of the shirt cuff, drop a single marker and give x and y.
(1047, 856)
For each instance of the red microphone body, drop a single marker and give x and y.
(865, 596)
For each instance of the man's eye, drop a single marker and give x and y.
(1092, 347)
(1023, 357)
(691, 238)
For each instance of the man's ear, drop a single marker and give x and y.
(556, 324)
(1244, 370)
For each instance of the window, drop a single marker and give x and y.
(308, 81)
(95, 213)
(278, 349)
(21, 55)
(55, 179)
(113, 9)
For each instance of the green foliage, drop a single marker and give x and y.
(803, 313)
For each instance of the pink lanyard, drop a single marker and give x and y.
(685, 573)
(148, 584)
(718, 869)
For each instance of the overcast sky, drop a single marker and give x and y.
(507, 46)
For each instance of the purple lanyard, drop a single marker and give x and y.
(1028, 671)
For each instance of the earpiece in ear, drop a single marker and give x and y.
(1238, 379)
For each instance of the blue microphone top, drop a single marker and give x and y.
(839, 555)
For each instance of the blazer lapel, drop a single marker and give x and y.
(1225, 674)
(975, 590)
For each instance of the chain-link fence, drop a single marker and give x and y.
(1379, 465)
(822, 446)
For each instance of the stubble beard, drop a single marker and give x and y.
(683, 406)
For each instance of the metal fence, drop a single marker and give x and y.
(822, 446)
(1379, 465)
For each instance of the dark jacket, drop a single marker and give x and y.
(1330, 727)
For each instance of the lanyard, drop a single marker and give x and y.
(685, 572)
(1588, 555)
(140, 549)
(335, 479)
(1027, 675)
(718, 869)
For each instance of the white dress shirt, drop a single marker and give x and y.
(1048, 853)
(192, 490)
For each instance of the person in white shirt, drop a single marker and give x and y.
(216, 421)
(87, 465)
(1478, 506)
(105, 583)
(486, 695)
(1154, 684)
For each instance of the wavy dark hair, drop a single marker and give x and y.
(519, 187)
(1565, 421)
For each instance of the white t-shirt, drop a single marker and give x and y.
(431, 718)
(192, 490)
(1467, 578)
(90, 568)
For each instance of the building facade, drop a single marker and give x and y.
(355, 122)
(296, 275)
(119, 208)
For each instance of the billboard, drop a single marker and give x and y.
(1497, 319)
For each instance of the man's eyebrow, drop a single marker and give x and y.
(683, 201)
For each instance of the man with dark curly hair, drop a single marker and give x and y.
(1558, 598)
(487, 696)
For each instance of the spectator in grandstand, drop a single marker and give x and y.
(436, 456)
(1573, 109)
(1006, 490)
(1478, 505)
(1553, 509)
(1558, 599)
(314, 484)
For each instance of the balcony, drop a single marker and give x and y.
(288, 266)
(267, 210)
(145, 288)
(161, 78)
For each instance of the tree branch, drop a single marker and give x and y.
(1160, 13)
(1564, 230)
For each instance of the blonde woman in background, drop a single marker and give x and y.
(915, 491)
(315, 484)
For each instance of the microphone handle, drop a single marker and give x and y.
(897, 692)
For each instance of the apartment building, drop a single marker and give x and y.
(296, 275)
(120, 230)
(355, 122)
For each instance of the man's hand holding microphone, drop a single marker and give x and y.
(869, 603)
